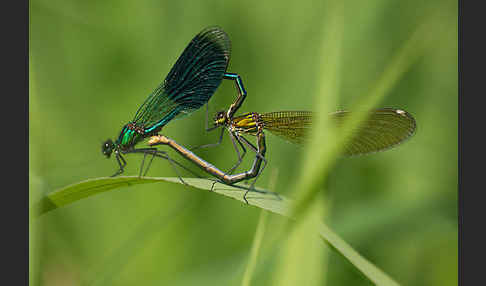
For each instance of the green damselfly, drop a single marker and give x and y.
(383, 129)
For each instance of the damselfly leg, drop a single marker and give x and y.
(154, 152)
(121, 163)
(231, 110)
(259, 153)
(235, 140)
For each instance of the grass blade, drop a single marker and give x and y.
(303, 256)
(257, 241)
(320, 160)
(259, 198)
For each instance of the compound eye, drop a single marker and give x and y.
(107, 148)
(218, 115)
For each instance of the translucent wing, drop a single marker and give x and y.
(383, 129)
(290, 125)
(190, 83)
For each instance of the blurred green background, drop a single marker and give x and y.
(92, 63)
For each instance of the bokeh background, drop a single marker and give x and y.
(92, 63)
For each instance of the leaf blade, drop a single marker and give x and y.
(259, 198)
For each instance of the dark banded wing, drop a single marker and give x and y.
(190, 83)
(383, 129)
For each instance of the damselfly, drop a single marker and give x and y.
(189, 85)
(383, 129)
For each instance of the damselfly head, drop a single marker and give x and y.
(220, 118)
(107, 148)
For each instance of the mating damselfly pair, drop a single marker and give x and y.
(192, 81)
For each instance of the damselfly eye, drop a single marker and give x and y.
(107, 148)
(218, 115)
(219, 118)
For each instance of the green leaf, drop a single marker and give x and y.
(83, 189)
(259, 198)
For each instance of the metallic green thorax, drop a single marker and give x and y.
(129, 136)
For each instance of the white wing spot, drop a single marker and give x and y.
(401, 112)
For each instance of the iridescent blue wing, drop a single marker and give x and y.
(190, 83)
